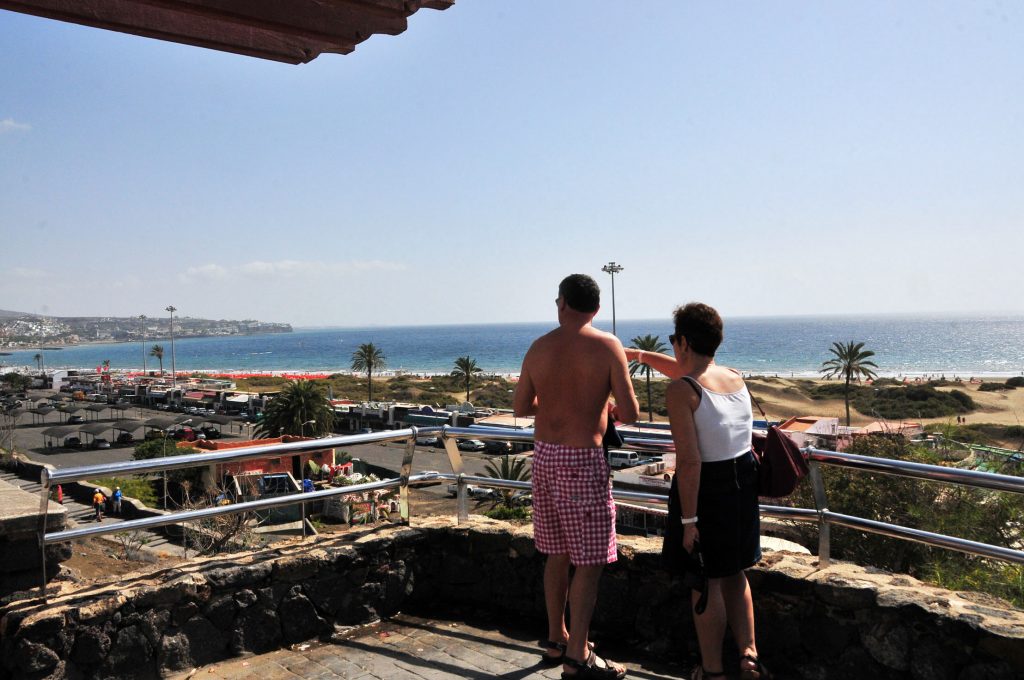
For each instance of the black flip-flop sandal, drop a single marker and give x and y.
(560, 647)
(758, 672)
(589, 669)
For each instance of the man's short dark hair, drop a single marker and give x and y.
(701, 326)
(580, 292)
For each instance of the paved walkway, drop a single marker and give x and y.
(417, 649)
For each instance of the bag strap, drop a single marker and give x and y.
(758, 405)
(695, 385)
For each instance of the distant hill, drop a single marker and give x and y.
(7, 314)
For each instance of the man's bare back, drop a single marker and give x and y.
(566, 380)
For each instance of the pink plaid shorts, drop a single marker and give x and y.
(573, 511)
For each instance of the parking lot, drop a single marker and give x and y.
(29, 440)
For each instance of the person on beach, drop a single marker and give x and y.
(566, 379)
(711, 420)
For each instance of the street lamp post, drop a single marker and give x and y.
(613, 269)
(303, 475)
(174, 375)
(142, 320)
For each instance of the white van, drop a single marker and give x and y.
(619, 458)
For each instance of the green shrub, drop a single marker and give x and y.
(1016, 381)
(994, 387)
(1014, 431)
(139, 489)
(161, 448)
(912, 401)
(953, 510)
(502, 512)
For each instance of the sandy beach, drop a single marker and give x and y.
(781, 397)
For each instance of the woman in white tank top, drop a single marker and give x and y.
(716, 476)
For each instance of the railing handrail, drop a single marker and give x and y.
(815, 456)
(905, 468)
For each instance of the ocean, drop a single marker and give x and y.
(990, 346)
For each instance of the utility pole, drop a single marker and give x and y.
(613, 269)
(142, 319)
(174, 375)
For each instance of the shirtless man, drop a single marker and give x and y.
(565, 382)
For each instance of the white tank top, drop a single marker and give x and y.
(724, 423)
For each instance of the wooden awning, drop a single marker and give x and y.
(292, 31)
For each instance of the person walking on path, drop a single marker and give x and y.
(60, 494)
(716, 476)
(97, 503)
(566, 379)
(116, 501)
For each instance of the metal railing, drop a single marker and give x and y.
(816, 457)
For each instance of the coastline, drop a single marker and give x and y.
(308, 373)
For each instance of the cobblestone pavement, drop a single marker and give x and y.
(413, 648)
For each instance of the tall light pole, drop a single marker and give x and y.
(142, 321)
(613, 269)
(174, 375)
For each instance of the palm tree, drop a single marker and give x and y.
(850, 361)
(38, 358)
(302, 408)
(368, 358)
(466, 368)
(647, 343)
(510, 468)
(158, 352)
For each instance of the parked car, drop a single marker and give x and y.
(472, 491)
(620, 458)
(75, 420)
(99, 443)
(125, 438)
(470, 445)
(72, 442)
(211, 432)
(183, 434)
(427, 441)
(499, 446)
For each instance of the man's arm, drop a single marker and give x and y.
(524, 401)
(627, 409)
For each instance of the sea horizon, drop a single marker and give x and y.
(961, 345)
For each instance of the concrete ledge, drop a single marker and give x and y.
(837, 623)
(19, 543)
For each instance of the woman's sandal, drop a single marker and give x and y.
(594, 668)
(758, 672)
(700, 673)
(560, 647)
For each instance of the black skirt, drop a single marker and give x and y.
(729, 522)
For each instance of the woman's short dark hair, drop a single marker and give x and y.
(580, 292)
(700, 325)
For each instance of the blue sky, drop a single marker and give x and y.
(766, 158)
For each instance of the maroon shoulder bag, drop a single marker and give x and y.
(781, 465)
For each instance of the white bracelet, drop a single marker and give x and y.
(688, 520)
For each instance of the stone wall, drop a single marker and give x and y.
(843, 622)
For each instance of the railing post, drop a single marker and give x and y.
(44, 507)
(821, 505)
(455, 460)
(403, 487)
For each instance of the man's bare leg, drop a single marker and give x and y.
(556, 591)
(582, 600)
